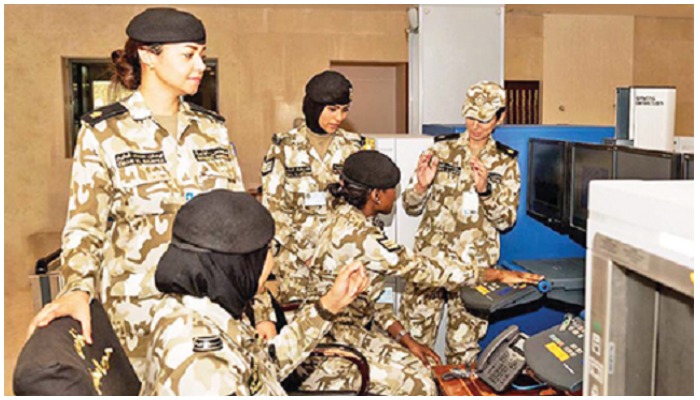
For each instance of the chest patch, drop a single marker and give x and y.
(217, 153)
(134, 158)
(449, 168)
(203, 344)
(297, 172)
(389, 244)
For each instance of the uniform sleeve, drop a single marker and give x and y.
(387, 257)
(262, 308)
(414, 203)
(273, 179)
(90, 200)
(298, 339)
(501, 205)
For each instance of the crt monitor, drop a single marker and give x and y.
(546, 185)
(588, 162)
(687, 166)
(634, 163)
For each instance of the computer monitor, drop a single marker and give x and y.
(546, 184)
(634, 163)
(588, 162)
(687, 165)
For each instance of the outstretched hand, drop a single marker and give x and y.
(425, 172)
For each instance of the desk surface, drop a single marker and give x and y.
(475, 387)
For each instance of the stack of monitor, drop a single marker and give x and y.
(559, 174)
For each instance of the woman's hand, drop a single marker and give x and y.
(425, 172)
(479, 174)
(424, 353)
(350, 282)
(511, 277)
(266, 329)
(74, 304)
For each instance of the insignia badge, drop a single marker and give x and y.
(268, 164)
(389, 244)
(449, 168)
(100, 370)
(203, 344)
(297, 172)
(369, 144)
(95, 114)
(78, 343)
(217, 153)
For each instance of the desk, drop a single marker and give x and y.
(475, 387)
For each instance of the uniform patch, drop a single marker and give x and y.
(389, 244)
(494, 177)
(203, 344)
(449, 168)
(268, 164)
(337, 168)
(217, 153)
(297, 172)
(134, 158)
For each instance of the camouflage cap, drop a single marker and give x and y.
(483, 100)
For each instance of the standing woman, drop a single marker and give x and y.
(136, 163)
(297, 168)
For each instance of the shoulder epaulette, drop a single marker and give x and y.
(451, 136)
(200, 109)
(509, 151)
(96, 116)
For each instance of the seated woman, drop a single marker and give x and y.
(397, 362)
(215, 264)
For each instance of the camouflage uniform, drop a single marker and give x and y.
(350, 236)
(197, 348)
(130, 176)
(471, 238)
(294, 178)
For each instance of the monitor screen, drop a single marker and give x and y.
(643, 164)
(546, 181)
(688, 164)
(588, 162)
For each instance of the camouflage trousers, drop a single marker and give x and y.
(293, 275)
(131, 318)
(421, 312)
(393, 370)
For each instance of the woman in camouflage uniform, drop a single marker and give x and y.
(398, 364)
(202, 343)
(297, 168)
(135, 163)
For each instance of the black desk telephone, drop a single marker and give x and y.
(503, 359)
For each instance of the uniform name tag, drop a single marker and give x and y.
(296, 172)
(133, 158)
(470, 203)
(449, 168)
(217, 153)
(315, 199)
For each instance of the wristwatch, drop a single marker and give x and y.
(488, 190)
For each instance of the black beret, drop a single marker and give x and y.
(372, 169)
(225, 222)
(329, 87)
(50, 363)
(166, 25)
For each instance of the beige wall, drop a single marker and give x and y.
(652, 51)
(585, 58)
(266, 54)
(663, 56)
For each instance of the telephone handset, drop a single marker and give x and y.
(503, 359)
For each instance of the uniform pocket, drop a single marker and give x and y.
(147, 188)
(216, 174)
